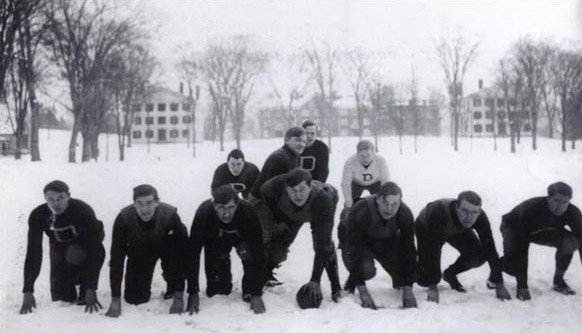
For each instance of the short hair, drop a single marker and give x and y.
(469, 196)
(223, 194)
(561, 188)
(236, 154)
(144, 190)
(308, 123)
(296, 176)
(364, 144)
(295, 131)
(389, 188)
(56, 186)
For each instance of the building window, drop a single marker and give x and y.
(489, 128)
(174, 134)
(174, 107)
(501, 128)
(186, 119)
(137, 121)
(149, 134)
(185, 133)
(137, 134)
(186, 106)
(478, 128)
(501, 114)
(149, 107)
(136, 108)
(161, 120)
(162, 134)
(500, 102)
(161, 107)
(174, 120)
(488, 114)
(149, 120)
(477, 102)
(477, 115)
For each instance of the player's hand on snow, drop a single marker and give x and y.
(408, 299)
(91, 301)
(501, 292)
(193, 303)
(523, 294)
(433, 294)
(366, 298)
(177, 303)
(115, 308)
(28, 302)
(314, 292)
(257, 304)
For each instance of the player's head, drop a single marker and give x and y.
(559, 196)
(56, 194)
(468, 208)
(295, 139)
(310, 128)
(389, 199)
(235, 161)
(365, 150)
(225, 201)
(145, 201)
(298, 186)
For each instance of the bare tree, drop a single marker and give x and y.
(290, 86)
(24, 76)
(82, 37)
(416, 117)
(358, 68)
(230, 68)
(504, 82)
(324, 73)
(189, 70)
(567, 82)
(10, 20)
(531, 61)
(456, 56)
(129, 70)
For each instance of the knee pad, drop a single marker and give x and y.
(473, 262)
(75, 255)
(368, 270)
(278, 256)
(570, 244)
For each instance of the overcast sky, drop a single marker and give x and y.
(404, 30)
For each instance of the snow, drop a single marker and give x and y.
(436, 171)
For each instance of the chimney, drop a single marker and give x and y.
(480, 84)
(181, 88)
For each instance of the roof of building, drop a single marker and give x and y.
(162, 94)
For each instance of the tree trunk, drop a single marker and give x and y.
(564, 124)
(34, 140)
(73, 142)
(534, 129)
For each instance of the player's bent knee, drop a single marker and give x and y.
(570, 244)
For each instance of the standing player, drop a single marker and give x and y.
(315, 156)
(364, 170)
(281, 160)
(144, 232)
(76, 251)
(542, 220)
(315, 159)
(455, 221)
(220, 224)
(236, 172)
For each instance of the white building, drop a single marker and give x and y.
(165, 116)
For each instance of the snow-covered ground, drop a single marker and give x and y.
(502, 179)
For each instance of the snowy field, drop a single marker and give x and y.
(502, 179)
